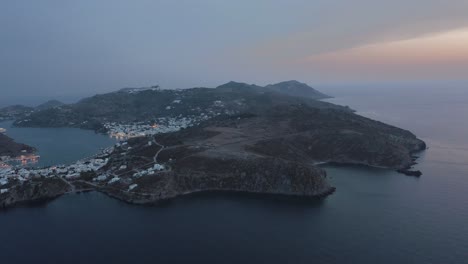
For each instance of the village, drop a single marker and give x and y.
(12, 175)
(22, 174)
(12, 171)
(123, 131)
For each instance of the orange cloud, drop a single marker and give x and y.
(446, 48)
(443, 55)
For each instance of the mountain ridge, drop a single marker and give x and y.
(149, 103)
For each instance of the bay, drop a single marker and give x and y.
(59, 145)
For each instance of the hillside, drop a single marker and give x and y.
(129, 105)
(15, 112)
(8, 147)
(21, 111)
(269, 153)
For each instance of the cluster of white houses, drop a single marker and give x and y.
(167, 124)
(8, 173)
(150, 171)
(68, 172)
(162, 125)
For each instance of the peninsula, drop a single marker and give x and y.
(233, 138)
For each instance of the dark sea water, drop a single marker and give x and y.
(59, 145)
(376, 216)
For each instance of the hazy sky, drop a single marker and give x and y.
(56, 48)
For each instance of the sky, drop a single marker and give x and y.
(68, 48)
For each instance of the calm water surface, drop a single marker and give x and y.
(376, 216)
(59, 145)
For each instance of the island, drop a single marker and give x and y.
(233, 138)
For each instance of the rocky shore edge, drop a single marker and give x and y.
(155, 200)
(20, 198)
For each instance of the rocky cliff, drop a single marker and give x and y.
(35, 190)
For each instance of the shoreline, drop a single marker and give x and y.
(158, 201)
(45, 200)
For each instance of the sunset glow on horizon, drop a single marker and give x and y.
(442, 54)
(447, 47)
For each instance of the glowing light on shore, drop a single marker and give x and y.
(4, 165)
(28, 159)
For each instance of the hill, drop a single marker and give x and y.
(129, 105)
(295, 88)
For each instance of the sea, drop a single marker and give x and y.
(375, 215)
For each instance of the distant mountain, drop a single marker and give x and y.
(295, 88)
(49, 104)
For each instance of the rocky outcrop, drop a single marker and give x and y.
(409, 172)
(36, 190)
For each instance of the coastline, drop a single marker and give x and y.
(270, 151)
(30, 195)
(136, 198)
(158, 200)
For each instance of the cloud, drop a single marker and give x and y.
(337, 25)
(442, 55)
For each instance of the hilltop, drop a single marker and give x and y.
(295, 88)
